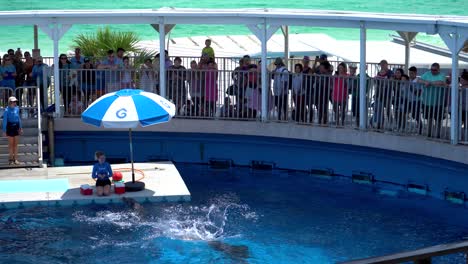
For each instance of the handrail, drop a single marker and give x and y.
(419, 256)
(39, 127)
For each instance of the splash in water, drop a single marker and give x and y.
(179, 221)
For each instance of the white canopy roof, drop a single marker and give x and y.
(430, 24)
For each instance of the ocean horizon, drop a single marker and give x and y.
(22, 36)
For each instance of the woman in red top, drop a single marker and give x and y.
(340, 93)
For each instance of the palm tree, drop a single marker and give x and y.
(97, 44)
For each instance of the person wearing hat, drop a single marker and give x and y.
(12, 128)
(280, 88)
(318, 60)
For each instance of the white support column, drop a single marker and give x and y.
(264, 33)
(55, 32)
(454, 41)
(55, 39)
(163, 29)
(407, 55)
(36, 38)
(167, 30)
(362, 79)
(454, 94)
(162, 58)
(407, 38)
(265, 81)
(285, 30)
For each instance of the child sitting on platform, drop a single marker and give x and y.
(102, 171)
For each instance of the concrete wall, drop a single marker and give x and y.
(413, 145)
(287, 145)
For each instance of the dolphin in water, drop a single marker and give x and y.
(134, 205)
(236, 252)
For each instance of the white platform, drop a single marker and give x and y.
(163, 184)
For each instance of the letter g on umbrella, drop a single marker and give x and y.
(121, 113)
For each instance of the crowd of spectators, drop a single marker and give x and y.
(307, 93)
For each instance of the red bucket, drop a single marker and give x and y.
(119, 188)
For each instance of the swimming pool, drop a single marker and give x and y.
(237, 216)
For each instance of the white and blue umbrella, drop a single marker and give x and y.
(129, 108)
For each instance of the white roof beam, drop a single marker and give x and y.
(206, 20)
(318, 18)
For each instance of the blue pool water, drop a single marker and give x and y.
(238, 216)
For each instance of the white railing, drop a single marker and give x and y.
(231, 63)
(5, 93)
(39, 127)
(392, 106)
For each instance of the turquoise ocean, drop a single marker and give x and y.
(22, 36)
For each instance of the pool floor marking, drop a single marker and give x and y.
(363, 178)
(262, 165)
(417, 188)
(220, 164)
(327, 172)
(387, 192)
(455, 197)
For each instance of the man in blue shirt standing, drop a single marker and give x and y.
(113, 68)
(434, 98)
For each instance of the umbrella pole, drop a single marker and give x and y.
(133, 186)
(131, 153)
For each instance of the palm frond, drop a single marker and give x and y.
(141, 55)
(97, 44)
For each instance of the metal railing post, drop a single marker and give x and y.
(362, 80)
(39, 126)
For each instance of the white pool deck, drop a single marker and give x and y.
(163, 184)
